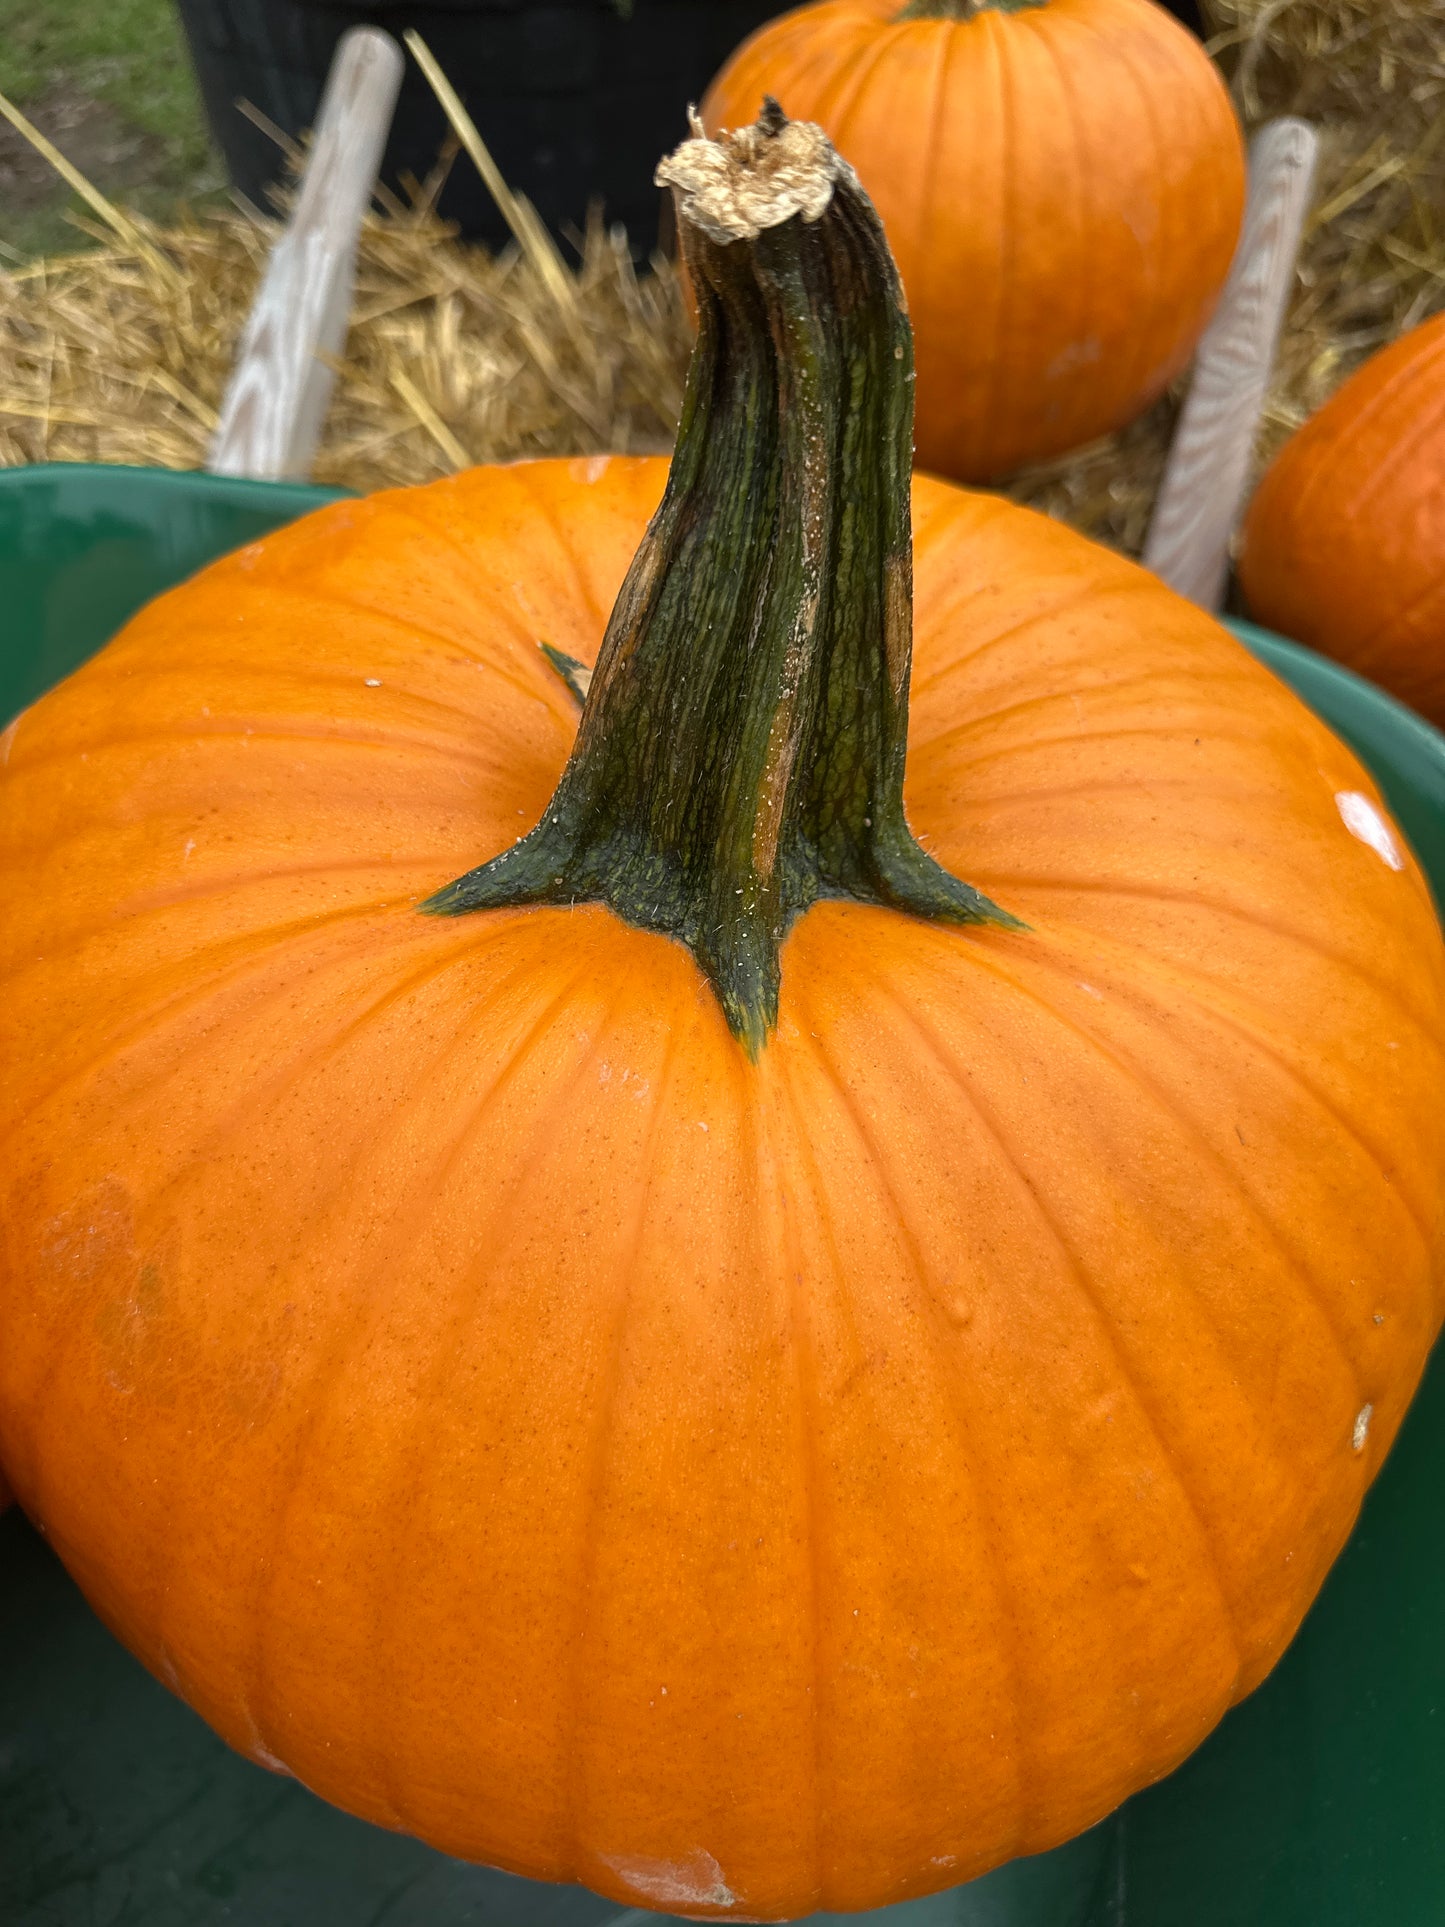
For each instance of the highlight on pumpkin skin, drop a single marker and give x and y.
(768, 614)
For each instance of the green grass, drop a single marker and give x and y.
(131, 56)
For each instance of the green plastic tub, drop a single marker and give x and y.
(1320, 1802)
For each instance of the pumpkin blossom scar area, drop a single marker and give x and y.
(716, 1178)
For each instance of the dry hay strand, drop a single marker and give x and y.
(455, 355)
(1370, 75)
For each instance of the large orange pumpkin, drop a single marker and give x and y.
(1344, 542)
(1062, 182)
(750, 1439)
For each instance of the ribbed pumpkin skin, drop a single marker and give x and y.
(1062, 188)
(1344, 542)
(745, 1488)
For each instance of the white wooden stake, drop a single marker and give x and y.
(280, 386)
(1208, 467)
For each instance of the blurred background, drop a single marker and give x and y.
(577, 99)
(192, 114)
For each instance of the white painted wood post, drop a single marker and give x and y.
(1208, 467)
(280, 386)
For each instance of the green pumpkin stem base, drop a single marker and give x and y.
(741, 749)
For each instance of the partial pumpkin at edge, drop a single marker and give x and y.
(1343, 545)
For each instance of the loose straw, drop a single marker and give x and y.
(455, 354)
(532, 237)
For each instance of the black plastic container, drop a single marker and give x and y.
(577, 99)
(1188, 12)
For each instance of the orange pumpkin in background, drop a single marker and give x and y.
(705, 1354)
(1344, 543)
(1062, 183)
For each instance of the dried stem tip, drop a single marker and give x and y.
(758, 177)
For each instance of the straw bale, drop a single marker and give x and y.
(458, 356)
(454, 355)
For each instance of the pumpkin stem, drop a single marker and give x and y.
(741, 749)
(962, 9)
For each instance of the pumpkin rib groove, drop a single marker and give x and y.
(1422, 426)
(214, 889)
(1372, 642)
(250, 879)
(270, 736)
(1132, 786)
(1030, 745)
(234, 1122)
(497, 608)
(285, 931)
(327, 1366)
(178, 1006)
(211, 887)
(1343, 542)
(575, 1853)
(1126, 1066)
(186, 1000)
(262, 936)
(1076, 1268)
(1167, 142)
(1081, 279)
(822, 1801)
(1149, 298)
(1148, 680)
(1186, 982)
(1217, 906)
(499, 665)
(186, 673)
(1091, 934)
(1004, 1592)
(850, 101)
(1317, 474)
(271, 1090)
(998, 356)
(941, 614)
(217, 1138)
(945, 37)
(801, 45)
(1014, 1162)
(543, 1130)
